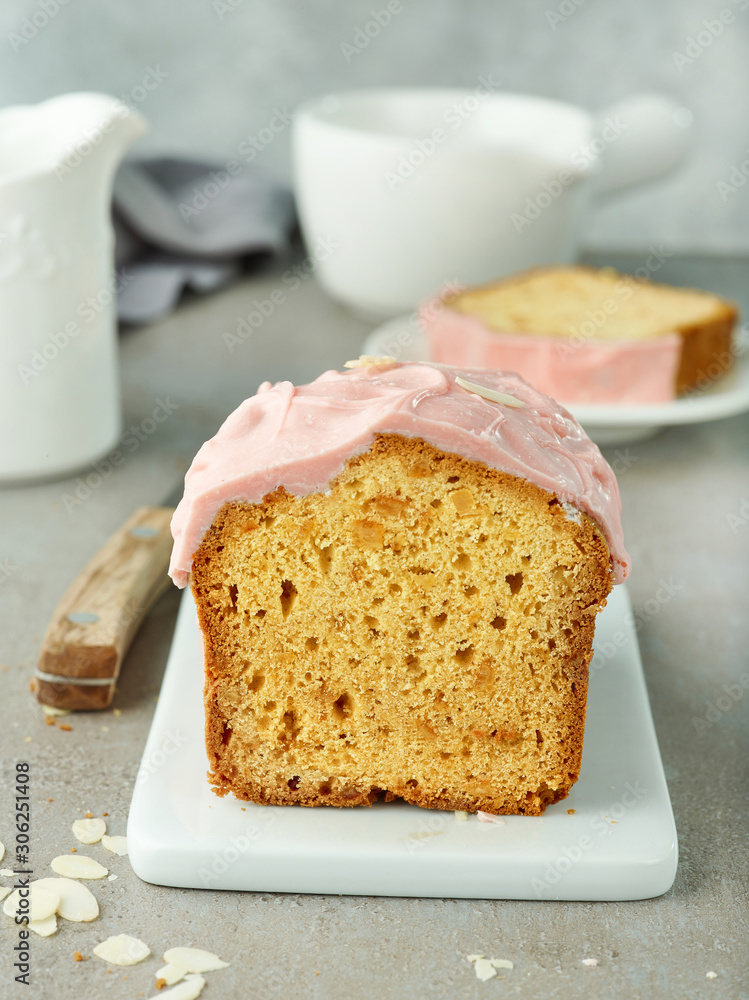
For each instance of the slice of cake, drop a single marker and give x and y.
(397, 572)
(586, 336)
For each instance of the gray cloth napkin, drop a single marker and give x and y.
(187, 224)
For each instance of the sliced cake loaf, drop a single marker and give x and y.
(587, 336)
(397, 580)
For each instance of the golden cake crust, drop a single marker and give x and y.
(409, 632)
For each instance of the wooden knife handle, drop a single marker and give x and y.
(95, 622)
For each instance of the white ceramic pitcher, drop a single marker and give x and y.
(404, 191)
(59, 385)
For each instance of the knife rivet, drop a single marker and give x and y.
(143, 532)
(82, 617)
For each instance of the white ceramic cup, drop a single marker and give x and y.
(402, 192)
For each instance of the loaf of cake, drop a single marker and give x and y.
(586, 336)
(397, 571)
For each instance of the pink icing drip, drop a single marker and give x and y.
(301, 438)
(627, 372)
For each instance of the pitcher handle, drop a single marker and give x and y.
(646, 135)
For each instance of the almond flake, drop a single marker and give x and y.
(194, 960)
(50, 710)
(484, 969)
(474, 958)
(461, 816)
(89, 831)
(77, 902)
(190, 989)
(117, 845)
(372, 361)
(2, 851)
(590, 961)
(77, 867)
(44, 928)
(485, 817)
(491, 394)
(122, 949)
(171, 974)
(502, 963)
(7, 872)
(43, 902)
(4, 891)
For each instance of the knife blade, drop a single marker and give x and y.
(95, 622)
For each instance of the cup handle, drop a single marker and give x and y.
(647, 135)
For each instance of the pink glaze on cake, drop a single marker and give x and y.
(574, 371)
(301, 437)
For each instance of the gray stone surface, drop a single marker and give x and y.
(677, 491)
(223, 67)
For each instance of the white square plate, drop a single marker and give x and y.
(619, 843)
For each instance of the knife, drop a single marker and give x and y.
(95, 622)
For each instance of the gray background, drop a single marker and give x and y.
(230, 63)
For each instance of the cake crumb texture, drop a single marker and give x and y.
(422, 630)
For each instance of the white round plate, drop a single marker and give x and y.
(403, 338)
